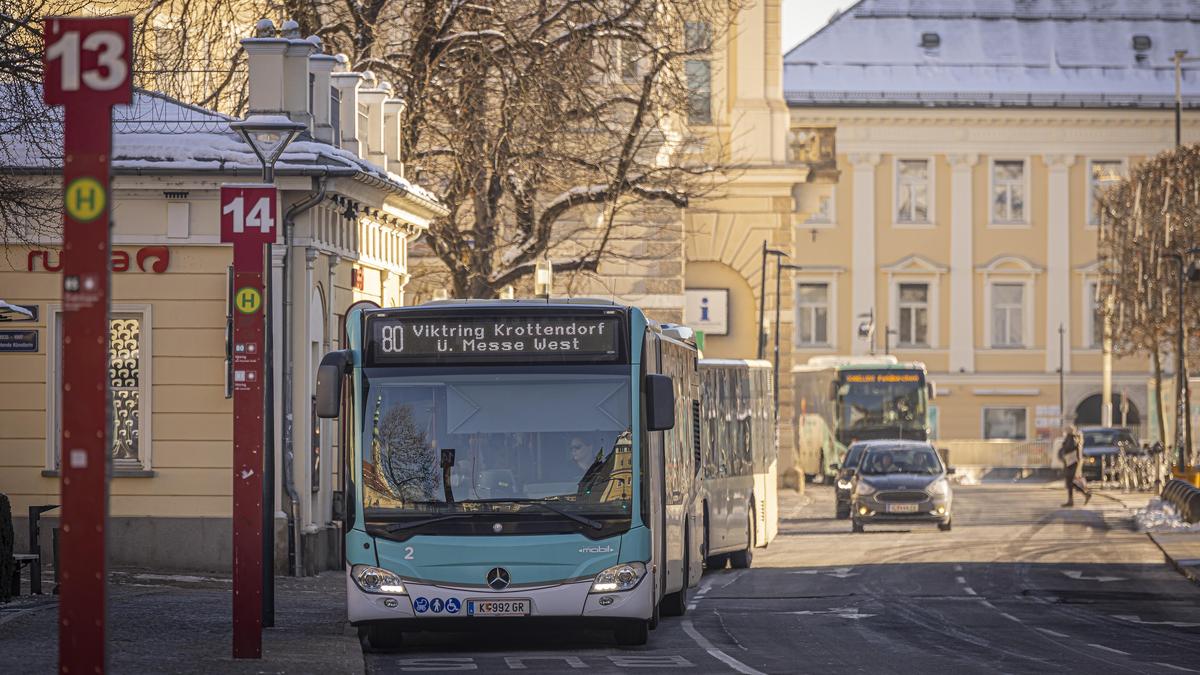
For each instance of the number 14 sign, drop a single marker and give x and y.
(248, 214)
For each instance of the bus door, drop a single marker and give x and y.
(654, 459)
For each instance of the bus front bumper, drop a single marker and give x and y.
(428, 604)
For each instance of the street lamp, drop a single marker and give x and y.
(268, 136)
(1180, 58)
(888, 332)
(779, 267)
(762, 286)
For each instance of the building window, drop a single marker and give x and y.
(629, 60)
(914, 315)
(1095, 316)
(1004, 424)
(1008, 315)
(1008, 191)
(697, 40)
(812, 314)
(699, 84)
(912, 191)
(129, 379)
(1102, 174)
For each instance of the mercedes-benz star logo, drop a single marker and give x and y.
(498, 578)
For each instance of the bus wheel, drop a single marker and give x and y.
(380, 638)
(675, 604)
(741, 560)
(632, 633)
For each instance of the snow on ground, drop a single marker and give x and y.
(1159, 516)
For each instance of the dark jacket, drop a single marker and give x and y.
(1072, 443)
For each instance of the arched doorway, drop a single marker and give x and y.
(1088, 413)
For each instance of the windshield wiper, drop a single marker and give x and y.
(427, 521)
(582, 520)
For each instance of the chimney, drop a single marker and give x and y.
(393, 124)
(347, 84)
(296, 84)
(321, 68)
(265, 54)
(372, 99)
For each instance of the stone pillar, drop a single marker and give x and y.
(1058, 260)
(862, 269)
(962, 263)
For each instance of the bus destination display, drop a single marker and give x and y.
(867, 378)
(506, 338)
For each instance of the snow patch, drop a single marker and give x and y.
(1159, 516)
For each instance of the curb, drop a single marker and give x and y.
(1190, 569)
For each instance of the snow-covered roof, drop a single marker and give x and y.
(1033, 53)
(158, 134)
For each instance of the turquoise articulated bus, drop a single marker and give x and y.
(517, 461)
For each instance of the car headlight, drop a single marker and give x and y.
(377, 580)
(865, 488)
(1090, 460)
(619, 577)
(939, 488)
(845, 484)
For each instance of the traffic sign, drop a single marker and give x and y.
(87, 65)
(248, 214)
(248, 300)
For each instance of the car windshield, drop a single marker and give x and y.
(496, 442)
(853, 455)
(1106, 437)
(879, 461)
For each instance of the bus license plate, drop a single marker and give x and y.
(902, 508)
(498, 607)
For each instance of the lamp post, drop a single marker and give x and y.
(1180, 58)
(1183, 426)
(1062, 412)
(268, 136)
(762, 289)
(779, 267)
(888, 332)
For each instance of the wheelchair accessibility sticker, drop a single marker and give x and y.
(453, 605)
(421, 605)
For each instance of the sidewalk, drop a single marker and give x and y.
(1181, 549)
(182, 624)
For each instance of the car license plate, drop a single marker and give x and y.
(498, 607)
(902, 508)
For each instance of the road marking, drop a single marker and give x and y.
(691, 605)
(958, 568)
(969, 591)
(1078, 574)
(840, 612)
(1010, 617)
(1137, 619)
(1175, 667)
(838, 572)
(1054, 633)
(717, 654)
(518, 662)
(733, 577)
(960, 580)
(1108, 649)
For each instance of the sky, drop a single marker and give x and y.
(802, 18)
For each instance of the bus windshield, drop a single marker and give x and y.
(879, 402)
(492, 442)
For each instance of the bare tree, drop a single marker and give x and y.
(1145, 220)
(527, 117)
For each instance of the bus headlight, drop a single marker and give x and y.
(844, 484)
(377, 580)
(865, 488)
(619, 578)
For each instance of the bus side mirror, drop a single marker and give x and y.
(329, 383)
(660, 403)
(932, 390)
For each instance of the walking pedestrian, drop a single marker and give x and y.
(1070, 451)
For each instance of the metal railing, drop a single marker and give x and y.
(1000, 454)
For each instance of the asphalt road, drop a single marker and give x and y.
(1019, 586)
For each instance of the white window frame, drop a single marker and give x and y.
(930, 284)
(1090, 221)
(1024, 222)
(983, 421)
(145, 387)
(931, 194)
(1026, 314)
(830, 281)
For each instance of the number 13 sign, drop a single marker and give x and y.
(87, 60)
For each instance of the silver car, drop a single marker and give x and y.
(901, 482)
